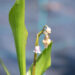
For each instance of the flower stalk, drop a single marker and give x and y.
(46, 31)
(35, 53)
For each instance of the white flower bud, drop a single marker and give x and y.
(48, 30)
(37, 49)
(46, 42)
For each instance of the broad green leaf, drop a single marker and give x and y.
(4, 67)
(17, 23)
(43, 62)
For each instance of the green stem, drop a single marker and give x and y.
(37, 38)
(4, 67)
(34, 64)
(35, 54)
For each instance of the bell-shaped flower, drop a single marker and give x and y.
(37, 49)
(47, 29)
(46, 42)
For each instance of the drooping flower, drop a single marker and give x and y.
(47, 29)
(37, 49)
(47, 40)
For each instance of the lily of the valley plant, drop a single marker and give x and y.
(46, 30)
(17, 22)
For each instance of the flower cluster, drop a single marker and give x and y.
(46, 40)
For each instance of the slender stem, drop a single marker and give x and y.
(37, 38)
(34, 64)
(35, 54)
(4, 67)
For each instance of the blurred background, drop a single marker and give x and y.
(57, 14)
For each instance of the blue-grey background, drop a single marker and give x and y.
(60, 16)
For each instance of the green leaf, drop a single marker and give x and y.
(17, 23)
(43, 62)
(4, 67)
